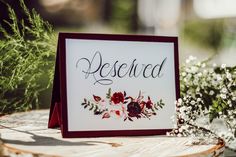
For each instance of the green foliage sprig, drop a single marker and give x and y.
(27, 55)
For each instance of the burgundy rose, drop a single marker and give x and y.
(117, 97)
(149, 103)
(134, 109)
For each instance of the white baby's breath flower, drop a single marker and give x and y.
(229, 76)
(183, 73)
(184, 127)
(214, 64)
(223, 96)
(189, 108)
(223, 90)
(199, 99)
(184, 116)
(218, 77)
(199, 74)
(182, 109)
(211, 92)
(194, 69)
(185, 80)
(189, 76)
(192, 102)
(223, 66)
(179, 135)
(180, 100)
(195, 82)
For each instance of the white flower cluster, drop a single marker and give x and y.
(206, 91)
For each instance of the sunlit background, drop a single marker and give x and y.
(205, 28)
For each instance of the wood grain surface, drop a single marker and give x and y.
(26, 134)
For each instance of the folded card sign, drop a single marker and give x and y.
(114, 85)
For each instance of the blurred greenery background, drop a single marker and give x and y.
(206, 29)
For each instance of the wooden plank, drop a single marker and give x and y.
(27, 133)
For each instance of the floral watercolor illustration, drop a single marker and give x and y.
(120, 105)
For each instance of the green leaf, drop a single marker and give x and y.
(108, 95)
(130, 119)
(212, 116)
(156, 106)
(26, 72)
(91, 108)
(96, 108)
(83, 104)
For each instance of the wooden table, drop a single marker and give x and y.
(27, 134)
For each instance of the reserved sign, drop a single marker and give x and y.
(114, 85)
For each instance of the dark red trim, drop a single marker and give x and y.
(63, 96)
(177, 82)
(53, 120)
(111, 133)
(119, 37)
(62, 58)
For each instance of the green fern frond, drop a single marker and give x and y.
(27, 54)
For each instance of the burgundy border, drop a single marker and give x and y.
(62, 66)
